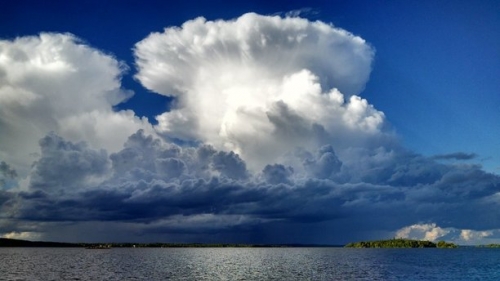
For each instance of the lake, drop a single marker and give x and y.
(249, 264)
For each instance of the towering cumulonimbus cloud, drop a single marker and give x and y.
(268, 141)
(261, 85)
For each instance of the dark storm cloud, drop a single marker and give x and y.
(325, 164)
(455, 156)
(164, 187)
(141, 189)
(5, 197)
(64, 165)
(6, 173)
(230, 165)
(277, 173)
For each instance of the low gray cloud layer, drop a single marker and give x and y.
(160, 187)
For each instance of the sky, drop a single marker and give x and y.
(314, 122)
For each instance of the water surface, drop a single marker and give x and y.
(249, 264)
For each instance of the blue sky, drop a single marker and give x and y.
(428, 69)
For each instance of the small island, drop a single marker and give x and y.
(400, 243)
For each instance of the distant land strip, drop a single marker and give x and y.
(5, 242)
(391, 243)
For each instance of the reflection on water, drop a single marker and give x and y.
(249, 264)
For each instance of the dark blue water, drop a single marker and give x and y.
(249, 264)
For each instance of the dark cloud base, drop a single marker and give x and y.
(159, 188)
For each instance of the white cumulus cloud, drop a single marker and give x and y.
(55, 82)
(22, 235)
(433, 232)
(472, 235)
(427, 231)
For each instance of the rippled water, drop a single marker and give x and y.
(249, 264)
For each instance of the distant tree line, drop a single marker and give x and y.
(197, 245)
(490, 246)
(400, 243)
(443, 244)
(5, 242)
